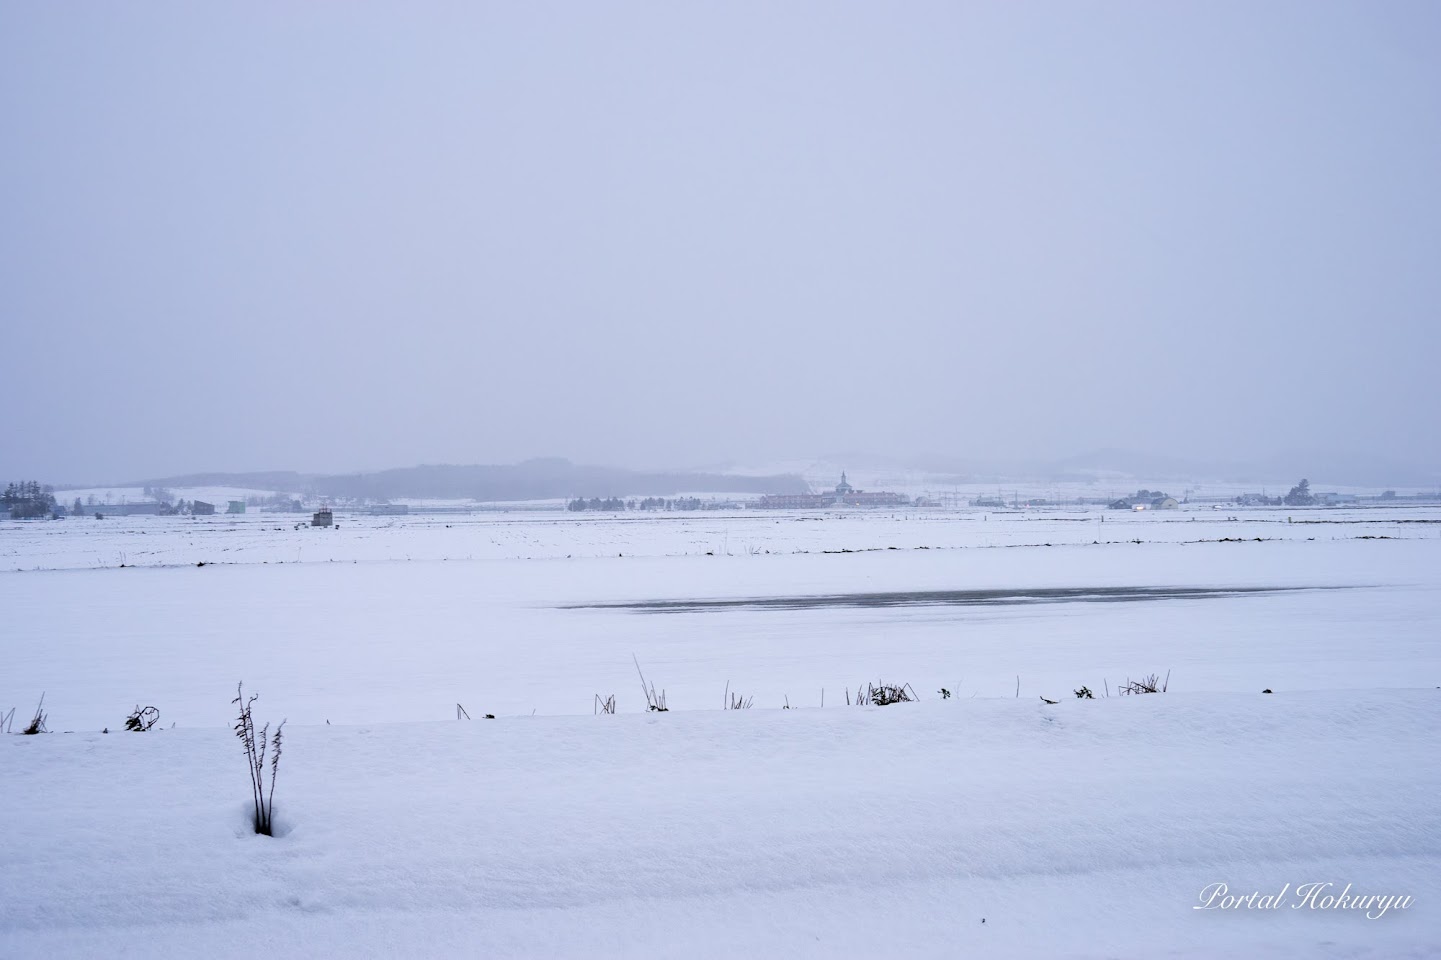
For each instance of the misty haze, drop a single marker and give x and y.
(676, 480)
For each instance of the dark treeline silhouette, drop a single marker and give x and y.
(596, 503)
(1300, 495)
(649, 503)
(27, 500)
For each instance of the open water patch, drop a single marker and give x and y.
(942, 598)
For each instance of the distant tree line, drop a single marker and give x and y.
(596, 503)
(28, 499)
(685, 503)
(649, 503)
(660, 503)
(1300, 495)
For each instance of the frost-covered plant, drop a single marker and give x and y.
(37, 722)
(1085, 694)
(885, 694)
(606, 705)
(653, 701)
(1151, 684)
(142, 719)
(262, 793)
(734, 701)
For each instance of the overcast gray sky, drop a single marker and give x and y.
(352, 236)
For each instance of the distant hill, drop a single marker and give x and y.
(280, 480)
(1319, 465)
(541, 479)
(1125, 465)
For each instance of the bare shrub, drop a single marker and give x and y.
(1150, 684)
(884, 694)
(655, 702)
(142, 719)
(606, 705)
(1085, 694)
(734, 701)
(261, 792)
(37, 722)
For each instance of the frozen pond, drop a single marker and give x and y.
(946, 598)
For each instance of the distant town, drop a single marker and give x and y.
(31, 500)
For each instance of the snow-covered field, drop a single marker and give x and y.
(287, 538)
(990, 823)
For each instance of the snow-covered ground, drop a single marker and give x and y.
(86, 542)
(1080, 828)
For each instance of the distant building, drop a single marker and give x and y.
(844, 495)
(148, 508)
(322, 518)
(793, 501)
(874, 499)
(1145, 500)
(199, 508)
(236, 506)
(283, 505)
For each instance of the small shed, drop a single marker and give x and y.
(200, 508)
(322, 518)
(236, 506)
